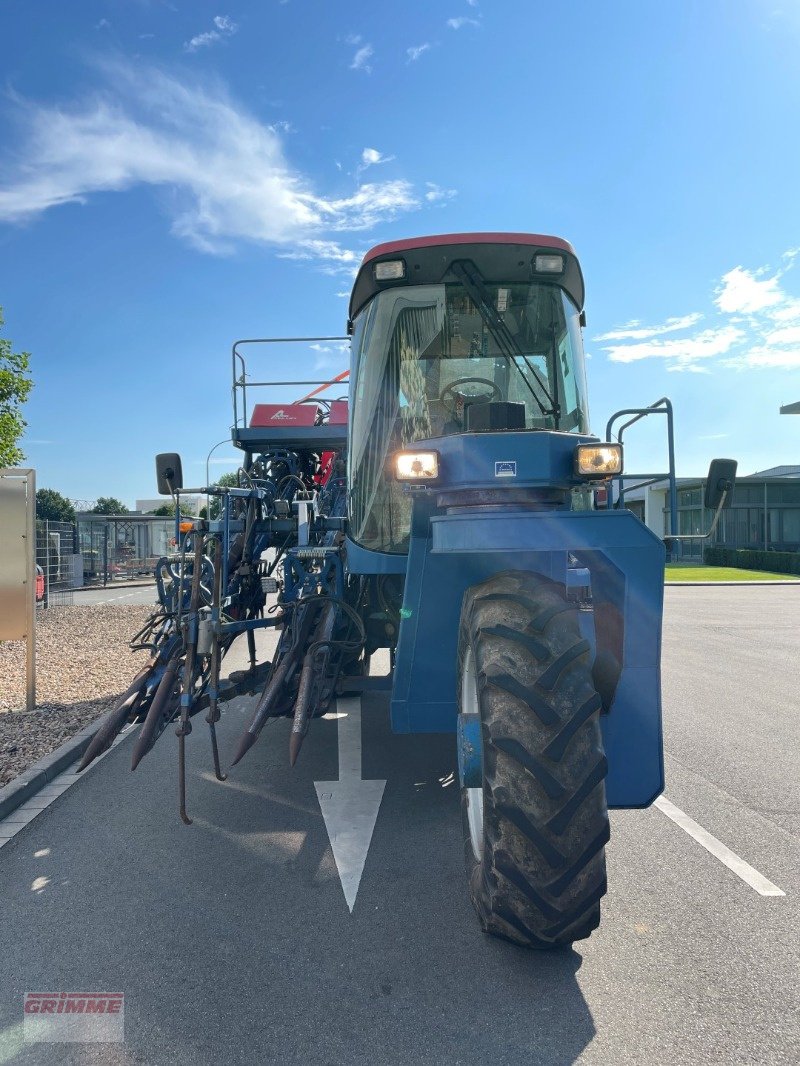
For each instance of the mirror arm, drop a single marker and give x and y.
(714, 524)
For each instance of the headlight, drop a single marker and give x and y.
(598, 460)
(416, 466)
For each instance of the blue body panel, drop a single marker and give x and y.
(463, 550)
(481, 460)
(363, 561)
(453, 548)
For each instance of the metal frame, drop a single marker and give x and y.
(660, 407)
(29, 476)
(242, 383)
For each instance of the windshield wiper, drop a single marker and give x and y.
(475, 287)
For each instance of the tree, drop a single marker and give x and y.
(229, 481)
(167, 510)
(15, 385)
(109, 505)
(51, 506)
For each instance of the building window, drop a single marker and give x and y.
(791, 526)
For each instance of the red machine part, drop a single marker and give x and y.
(289, 414)
(338, 414)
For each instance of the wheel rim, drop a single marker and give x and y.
(470, 705)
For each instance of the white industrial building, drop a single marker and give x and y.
(765, 513)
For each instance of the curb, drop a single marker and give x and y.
(46, 769)
(729, 584)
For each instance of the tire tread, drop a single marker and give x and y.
(542, 874)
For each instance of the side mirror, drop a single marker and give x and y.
(721, 479)
(169, 473)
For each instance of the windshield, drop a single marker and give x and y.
(425, 354)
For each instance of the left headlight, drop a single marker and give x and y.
(416, 466)
(598, 460)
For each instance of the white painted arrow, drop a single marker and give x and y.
(350, 806)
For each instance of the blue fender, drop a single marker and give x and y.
(448, 553)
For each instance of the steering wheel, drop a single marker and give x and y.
(451, 394)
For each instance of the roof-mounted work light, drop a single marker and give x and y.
(548, 264)
(390, 270)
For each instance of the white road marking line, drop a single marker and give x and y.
(727, 857)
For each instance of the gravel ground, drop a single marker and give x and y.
(83, 663)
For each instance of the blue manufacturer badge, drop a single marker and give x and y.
(505, 469)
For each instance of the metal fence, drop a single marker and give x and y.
(97, 550)
(57, 563)
(122, 547)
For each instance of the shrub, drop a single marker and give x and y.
(753, 559)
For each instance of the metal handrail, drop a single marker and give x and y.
(242, 383)
(660, 407)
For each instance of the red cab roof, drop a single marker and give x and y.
(499, 257)
(396, 247)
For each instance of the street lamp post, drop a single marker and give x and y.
(227, 440)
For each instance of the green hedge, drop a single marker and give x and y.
(750, 559)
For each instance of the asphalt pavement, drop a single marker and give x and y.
(233, 942)
(120, 594)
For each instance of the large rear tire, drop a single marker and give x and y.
(535, 833)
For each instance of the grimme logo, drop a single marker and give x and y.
(74, 1017)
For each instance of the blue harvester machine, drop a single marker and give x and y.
(455, 510)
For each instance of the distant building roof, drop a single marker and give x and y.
(778, 471)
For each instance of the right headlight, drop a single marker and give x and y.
(598, 460)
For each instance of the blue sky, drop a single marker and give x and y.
(175, 175)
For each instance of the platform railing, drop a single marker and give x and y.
(241, 384)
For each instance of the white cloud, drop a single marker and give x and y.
(370, 157)
(223, 175)
(334, 258)
(416, 51)
(363, 54)
(680, 352)
(756, 325)
(744, 292)
(103, 24)
(787, 311)
(766, 358)
(461, 21)
(781, 337)
(335, 346)
(225, 27)
(225, 24)
(435, 193)
(202, 40)
(331, 356)
(634, 332)
(370, 203)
